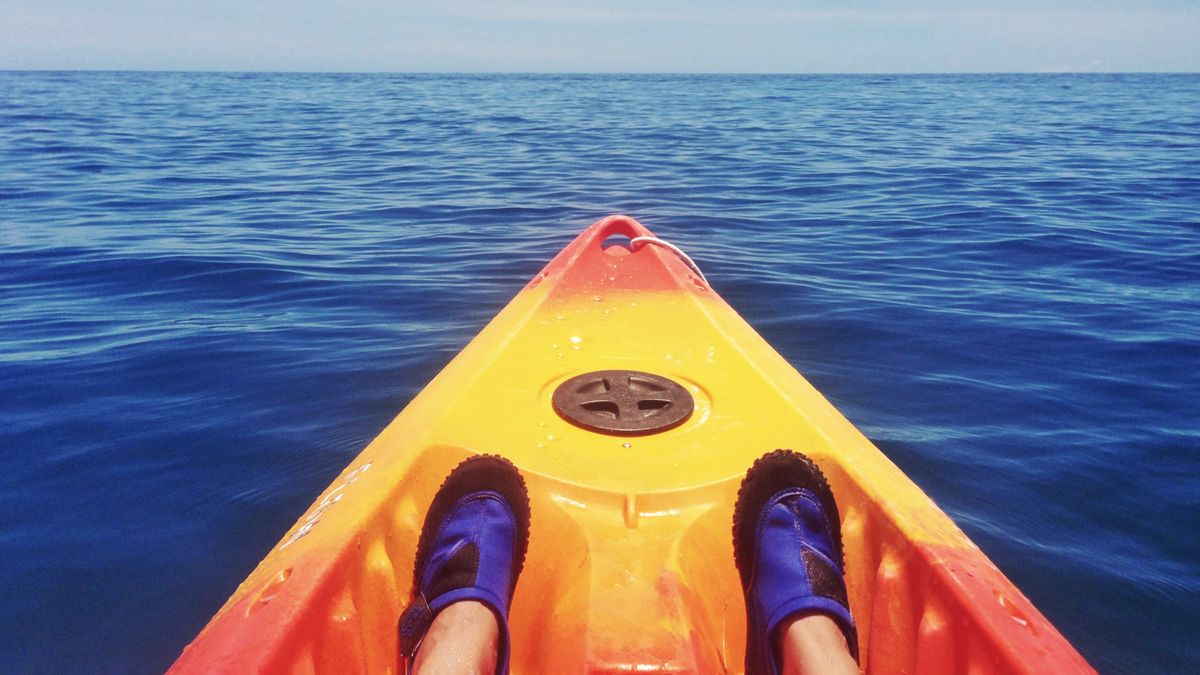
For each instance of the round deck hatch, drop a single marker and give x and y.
(623, 402)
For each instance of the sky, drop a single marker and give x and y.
(678, 36)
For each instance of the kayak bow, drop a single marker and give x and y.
(630, 566)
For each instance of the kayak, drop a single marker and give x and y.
(633, 399)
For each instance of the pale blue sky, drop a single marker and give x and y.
(608, 36)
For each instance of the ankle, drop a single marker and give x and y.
(463, 638)
(813, 643)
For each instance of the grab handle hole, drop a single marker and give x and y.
(617, 244)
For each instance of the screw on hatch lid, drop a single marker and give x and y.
(623, 402)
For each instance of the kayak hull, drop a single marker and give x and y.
(630, 565)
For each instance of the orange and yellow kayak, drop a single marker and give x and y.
(630, 566)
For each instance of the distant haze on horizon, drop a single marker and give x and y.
(852, 36)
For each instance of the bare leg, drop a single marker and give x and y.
(814, 645)
(462, 640)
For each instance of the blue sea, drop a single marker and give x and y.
(215, 289)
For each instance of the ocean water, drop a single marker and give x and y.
(215, 289)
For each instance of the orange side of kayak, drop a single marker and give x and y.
(630, 566)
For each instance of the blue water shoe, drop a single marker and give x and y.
(472, 547)
(787, 544)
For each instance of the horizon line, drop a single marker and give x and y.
(235, 71)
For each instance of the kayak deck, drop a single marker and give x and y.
(630, 566)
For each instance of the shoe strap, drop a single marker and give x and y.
(414, 624)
